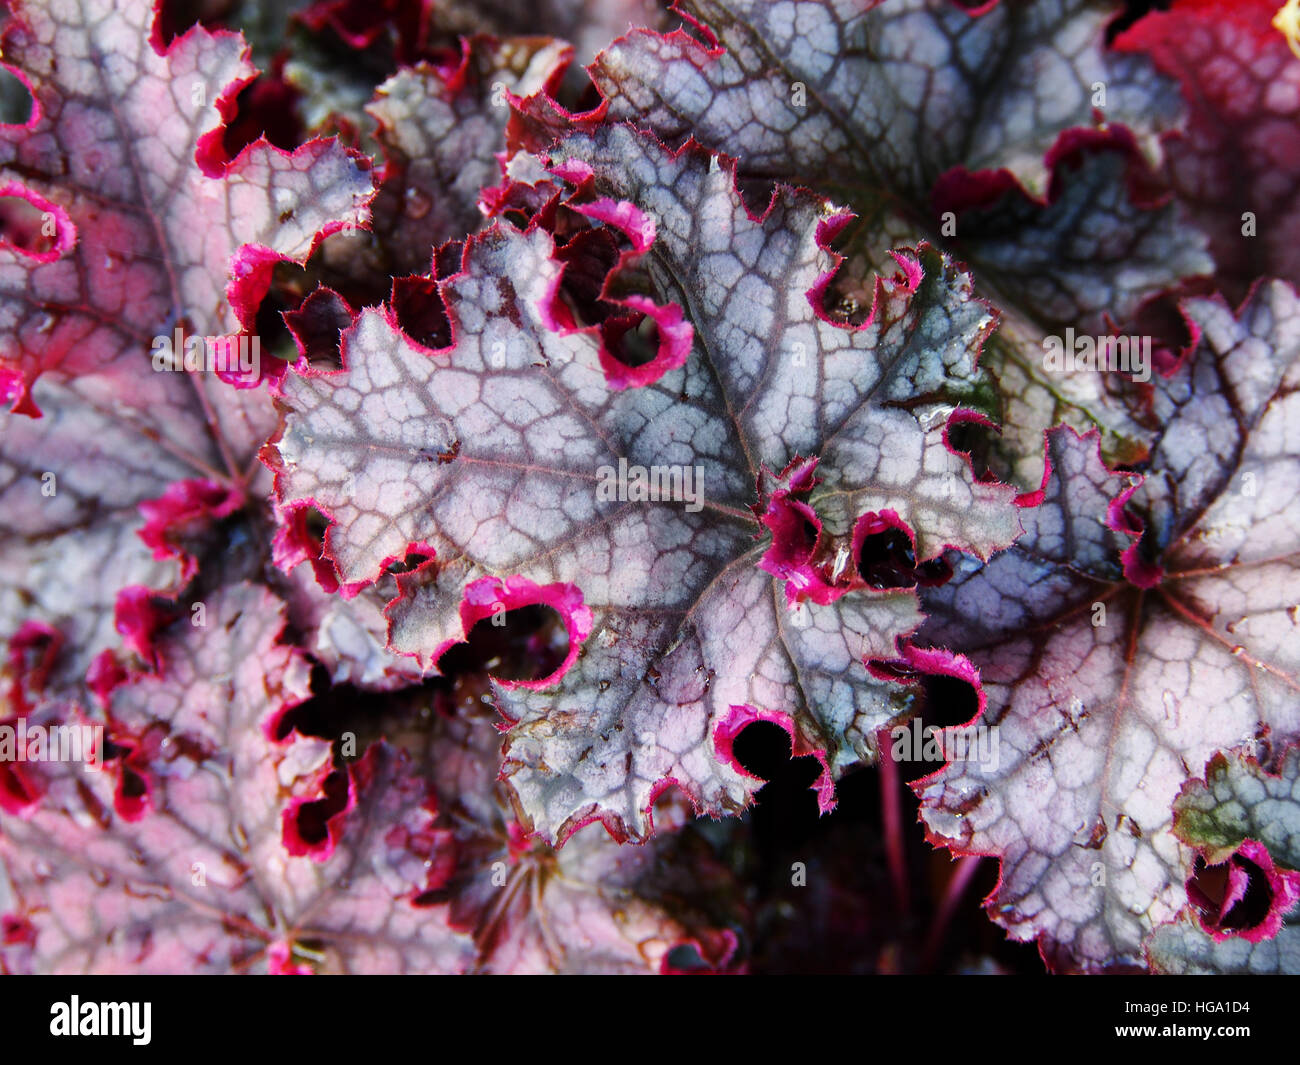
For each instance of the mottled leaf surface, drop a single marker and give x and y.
(594, 905)
(1016, 139)
(124, 154)
(1241, 808)
(492, 453)
(70, 486)
(441, 132)
(893, 94)
(1110, 682)
(1184, 950)
(209, 845)
(1241, 800)
(119, 157)
(1236, 164)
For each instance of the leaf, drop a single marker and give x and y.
(1244, 930)
(1183, 949)
(1093, 261)
(593, 906)
(491, 455)
(1114, 667)
(974, 133)
(1239, 800)
(1100, 243)
(349, 636)
(70, 487)
(441, 132)
(916, 113)
(400, 25)
(148, 221)
(884, 95)
(1235, 163)
(182, 516)
(218, 846)
(612, 416)
(1240, 809)
(333, 79)
(439, 126)
(145, 238)
(1029, 401)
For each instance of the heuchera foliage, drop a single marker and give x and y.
(596, 414)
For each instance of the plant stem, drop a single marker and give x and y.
(965, 872)
(892, 817)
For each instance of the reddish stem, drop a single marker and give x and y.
(965, 872)
(892, 816)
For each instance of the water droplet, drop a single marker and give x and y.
(47, 323)
(418, 204)
(1238, 650)
(603, 686)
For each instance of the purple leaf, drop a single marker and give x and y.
(505, 457)
(1131, 634)
(210, 844)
